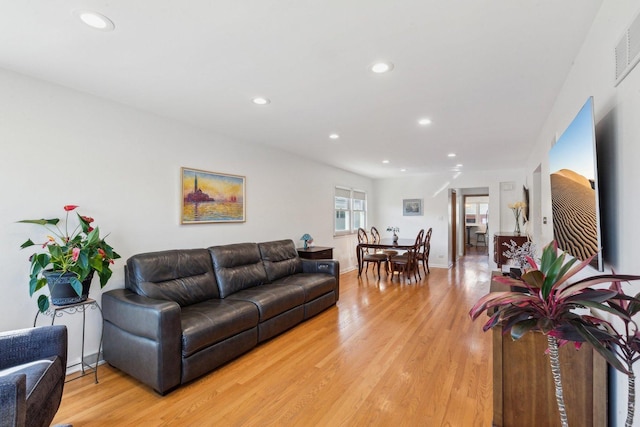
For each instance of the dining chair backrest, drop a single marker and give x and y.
(362, 236)
(427, 241)
(419, 238)
(375, 235)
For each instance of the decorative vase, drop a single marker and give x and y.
(395, 238)
(517, 229)
(62, 293)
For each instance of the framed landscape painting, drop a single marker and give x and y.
(412, 207)
(212, 197)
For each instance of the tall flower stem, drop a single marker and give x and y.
(554, 359)
(631, 404)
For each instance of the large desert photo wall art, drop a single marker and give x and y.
(212, 197)
(574, 198)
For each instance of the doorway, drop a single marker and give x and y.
(476, 223)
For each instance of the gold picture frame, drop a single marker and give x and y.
(212, 197)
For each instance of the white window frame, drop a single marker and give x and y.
(352, 194)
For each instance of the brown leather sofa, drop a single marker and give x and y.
(185, 312)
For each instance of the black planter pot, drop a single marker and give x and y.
(62, 293)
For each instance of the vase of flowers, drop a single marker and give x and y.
(69, 259)
(517, 208)
(394, 230)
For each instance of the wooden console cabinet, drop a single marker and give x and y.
(523, 390)
(316, 252)
(499, 248)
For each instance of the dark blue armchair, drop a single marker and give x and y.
(32, 371)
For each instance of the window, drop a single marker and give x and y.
(350, 210)
(476, 210)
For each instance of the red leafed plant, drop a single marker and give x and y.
(544, 300)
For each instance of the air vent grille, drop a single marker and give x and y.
(627, 51)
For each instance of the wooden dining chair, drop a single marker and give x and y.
(406, 263)
(369, 256)
(423, 254)
(390, 253)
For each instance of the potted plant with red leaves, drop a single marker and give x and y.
(620, 348)
(544, 300)
(68, 257)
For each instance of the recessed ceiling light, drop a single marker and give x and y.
(403, 170)
(334, 136)
(95, 20)
(381, 67)
(451, 155)
(459, 165)
(259, 100)
(385, 161)
(424, 122)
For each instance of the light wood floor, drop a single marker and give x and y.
(389, 354)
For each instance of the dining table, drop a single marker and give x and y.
(384, 243)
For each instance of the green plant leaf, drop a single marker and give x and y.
(548, 256)
(41, 261)
(55, 251)
(551, 276)
(43, 303)
(105, 275)
(76, 285)
(96, 263)
(93, 237)
(83, 259)
(52, 221)
(35, 284)
(27, 244)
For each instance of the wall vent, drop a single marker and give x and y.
(627, 50)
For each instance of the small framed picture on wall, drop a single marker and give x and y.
(412, 207)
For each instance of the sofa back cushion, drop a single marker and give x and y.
(184, 276)
(237, 267)
(280, 259)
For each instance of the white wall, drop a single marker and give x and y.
(433, 188)
(122, 167)
(617, 112)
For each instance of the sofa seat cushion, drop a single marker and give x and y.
(42, 375)
(271, 299)
(313, 284)
(210, 322)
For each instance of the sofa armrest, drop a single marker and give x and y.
(326, 266)
(142, 337)
(27, 345)
(13, 400)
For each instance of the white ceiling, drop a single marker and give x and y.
(485, 71)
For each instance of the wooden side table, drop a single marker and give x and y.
(523, 389)
(55, 311)
(498, 245)
(316, 252)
